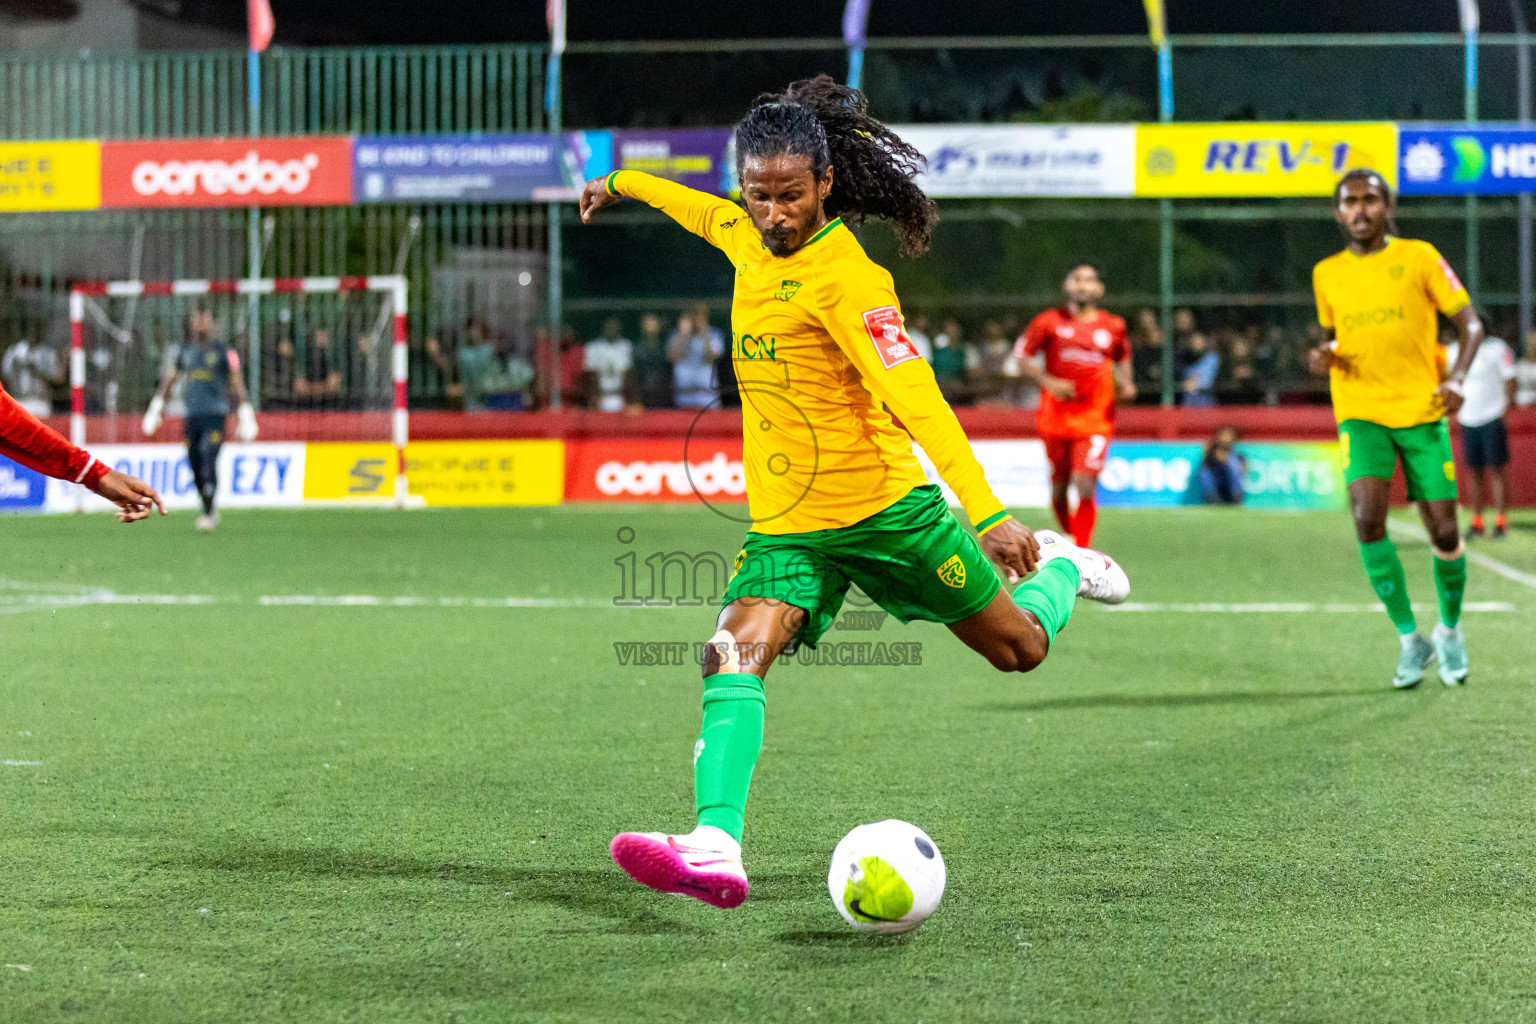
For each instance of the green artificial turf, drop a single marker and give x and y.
(249, 811)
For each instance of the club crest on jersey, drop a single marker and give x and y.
(1395, 273)
(886, 330)
(952, 572)
(787, 290)
(1103, 338)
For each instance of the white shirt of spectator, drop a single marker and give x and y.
(1486, 398)
(610, 360)
(27, 369)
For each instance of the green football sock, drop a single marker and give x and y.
(1385, 571)
(1051, 594)
(1450, 583)
(727, 749)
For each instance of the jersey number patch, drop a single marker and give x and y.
(890, 337)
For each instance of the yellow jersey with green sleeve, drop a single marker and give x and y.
(1382, 306)
(820, 351)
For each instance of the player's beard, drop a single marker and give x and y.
(779, 241)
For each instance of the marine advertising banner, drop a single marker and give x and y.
(1259, 159)
(1025, 160)
(50, 176)
(1460, 160)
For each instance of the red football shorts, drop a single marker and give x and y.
(1076, 456)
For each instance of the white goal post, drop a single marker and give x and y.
(391, 286)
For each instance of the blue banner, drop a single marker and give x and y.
(463, 169)
(21, 489)
(1277, 475)
(1444, 160)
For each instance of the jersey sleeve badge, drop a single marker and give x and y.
(889, 335)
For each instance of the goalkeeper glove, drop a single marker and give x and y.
(245, 423)
(153, 417)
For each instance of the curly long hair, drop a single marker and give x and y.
(872, 168)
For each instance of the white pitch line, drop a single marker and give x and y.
(21, 764)
(375, 601)
(1272, 607)
(1509, 572)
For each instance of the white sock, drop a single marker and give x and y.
(708, 837)
(1407, 639)
(1442, 630)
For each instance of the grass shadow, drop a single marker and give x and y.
(821, 938)
(604, 892)
(1171, 700)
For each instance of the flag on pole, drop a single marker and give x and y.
(1471, 19)
(259, 23)
(1157, 22)
(554, 13)
(856, 23)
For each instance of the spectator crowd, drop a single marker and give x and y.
(682, 361)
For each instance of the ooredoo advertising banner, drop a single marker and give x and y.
(1025, 160)
(227, 172)
(668, 470)
(50, 175)
(1259, 159)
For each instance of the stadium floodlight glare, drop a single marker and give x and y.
(391, 287)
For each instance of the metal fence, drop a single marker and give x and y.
(1239, 265)
(460, 259)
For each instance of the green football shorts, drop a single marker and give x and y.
(1371, 449)
(912, 559)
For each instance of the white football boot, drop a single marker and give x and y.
(1102, 578)
(704, 864)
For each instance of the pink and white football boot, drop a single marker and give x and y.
(704, 864)
(1102, 578)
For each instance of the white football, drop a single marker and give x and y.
(886, 876)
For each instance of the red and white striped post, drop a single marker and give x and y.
(401, 420)
(77, 368)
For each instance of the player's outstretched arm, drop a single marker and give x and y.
(31, 442)
(719, 222)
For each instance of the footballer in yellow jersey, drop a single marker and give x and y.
(837, 497)
(1377, 302)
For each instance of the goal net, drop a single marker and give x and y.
(323, 360)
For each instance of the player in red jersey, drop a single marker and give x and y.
(27, 440)
(1086, 368)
